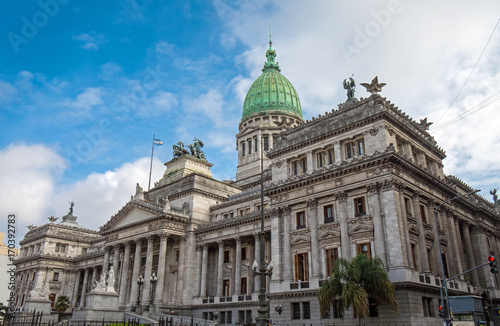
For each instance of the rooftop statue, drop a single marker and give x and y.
(350, 86)
(71, 203)
(374, 87)
(196, 149)
(179, 149)
(495, 196)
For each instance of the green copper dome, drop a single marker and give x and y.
(271, 92)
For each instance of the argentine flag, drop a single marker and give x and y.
(157, 142)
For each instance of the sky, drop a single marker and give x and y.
(84, 86)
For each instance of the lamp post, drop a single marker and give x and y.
(447, 311)
(140, 282)
(153, 280)
(262, 317)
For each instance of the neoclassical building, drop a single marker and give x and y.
(363, 178)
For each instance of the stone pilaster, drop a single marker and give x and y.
(199, 264)
(344, 228)
(204, 263)
(237, 267)
(408, 258)
(256, 236)
(116, 265)
(312, 216)
(276, 244)
(424, 261)
(220, 268)
(378, 227)
(287, 248)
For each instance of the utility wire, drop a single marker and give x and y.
(460, 91)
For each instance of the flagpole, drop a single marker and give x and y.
(151, 165)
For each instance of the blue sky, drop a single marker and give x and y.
(84, 85)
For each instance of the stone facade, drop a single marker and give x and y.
(364, 178)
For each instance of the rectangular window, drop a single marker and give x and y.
(355, 148)
(330, 156)
(243, 285)
(319, 160)
(359, 206)
(266, 143)
(295, 167)
(296, 310)
(301, 220)
(177, 253)
(445, 263)
(229, 317)
(361, 147)
(244, 253)
(408, 206)
(364, 248)
(225, 288)
(243, 149)
(84, 251)
(304, 165)
(250, 146)
(56, 277)
(226, 256)
(328, 213)
(241, 316)
(428, 307)
(331, 257)
(301, 263)
(306, 310)
(255, 144)
(413, 248)
(422, 214)
(429, 259)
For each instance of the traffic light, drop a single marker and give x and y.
(493, 264)
(441, 311)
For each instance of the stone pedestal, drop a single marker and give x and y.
(41, 305)
(99, 306)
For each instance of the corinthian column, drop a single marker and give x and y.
(135, 274)
(147, 272)
(161, 269)
(344, 229)
(287, 248)
(124, 275)
(180, 271)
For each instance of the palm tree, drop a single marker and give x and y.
(352, 283)
(62, 303)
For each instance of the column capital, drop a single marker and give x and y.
(256, 235)
(341, 196)
(237, 239)
(150, 238)
(220, 242)
(312, 203)
(373, 188)
(164, 236)
(286, 209)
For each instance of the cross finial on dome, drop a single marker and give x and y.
(270, 54)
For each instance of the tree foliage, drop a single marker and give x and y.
(62, 303)
(352, 283)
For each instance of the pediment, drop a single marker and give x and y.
(429, 235)
(133, 212)
(412, 228)
(299, 239)
(360, 227)
(328, 233)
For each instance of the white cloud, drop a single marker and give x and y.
(164, 101)
(210, 105)
(90, 41)
(31, 189)
(90, 97)
(29, 176)
(100, 195)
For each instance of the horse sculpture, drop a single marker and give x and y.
(196, 149)
(179, 150)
